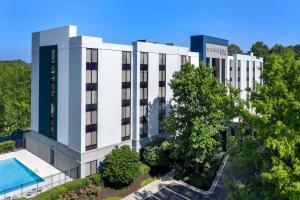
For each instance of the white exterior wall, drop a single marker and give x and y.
(244, 58)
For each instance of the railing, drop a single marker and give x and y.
(31, 189)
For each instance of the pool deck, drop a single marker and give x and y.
(39, 167)
(34, 163)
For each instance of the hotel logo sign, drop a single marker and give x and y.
(213, 50)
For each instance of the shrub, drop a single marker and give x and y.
(62, 190)
(156, 153)
(7, 146)
(96, 179)
(120, 167)
(144, 169)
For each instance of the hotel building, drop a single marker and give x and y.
(88, 96)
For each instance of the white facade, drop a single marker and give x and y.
(244, 71)
(72, 89)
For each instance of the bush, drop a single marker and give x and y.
(144, 169)
(96, 179)
(7, 146)
(120, 167)
(156, 153)
(62, 190)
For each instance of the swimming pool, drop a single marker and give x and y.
(14, 175)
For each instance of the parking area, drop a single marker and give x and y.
(175, 191)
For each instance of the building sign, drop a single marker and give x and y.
(216, 51)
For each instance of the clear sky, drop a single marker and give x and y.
(123, 21)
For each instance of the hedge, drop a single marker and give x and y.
(7, 146)
(62, 190)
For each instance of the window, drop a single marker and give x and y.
(253, 77)
(144, 75)
(143, 129)
(231, 72)
(91, 117)
(91, 55)
(125, 132)
(247, 73)
(91, 97)
(126, 77)
(162, 59)
(143, 93)
(143, 58)
(162, 91)
(90, 139)
(182, 60)
(53, 78)
(143, 110)
(125, 112)
(239, 74)
(91, 76)
(90, 168)
(126, 57)
(52, 157)
(162, 75)
(125, 93)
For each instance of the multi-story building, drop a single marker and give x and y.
(88, 96)
(244, 72)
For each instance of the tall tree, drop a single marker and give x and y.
(267, 150)
(260, 49)
(234, 49)
(282, 50)
(200, 111)
(14, 96)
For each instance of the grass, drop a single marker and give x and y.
(113, 198)
(147, 181)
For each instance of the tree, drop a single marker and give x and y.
(121, 166)
(267, 150)
(14, 96)
(260, 49)
(200, 111)
(282, 50)
(234, 49)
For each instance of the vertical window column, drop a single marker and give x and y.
(247, 69)
(53, 93)
(239, 75)
(143, 94)
(253, 75)
(162, 91)
(182, 60)
(230, 71)
(91, 97)
(126, 95)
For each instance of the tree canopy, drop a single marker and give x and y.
(200, 111)
(234, 49)
(267, 150)
(260, 49)
(14, 96)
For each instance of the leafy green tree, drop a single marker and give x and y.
(267, 150)
(234, 49)
(14, 96)
(282, 50)
(260, 49)
(121, 166)
(200, 111)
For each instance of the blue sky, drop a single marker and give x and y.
(123, 21)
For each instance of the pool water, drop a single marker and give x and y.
(14, 175)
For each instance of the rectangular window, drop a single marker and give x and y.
(144, 58)
(125, 132)
(90, 138)
(125, 93)
(143, 110)
(162, 59)
(231, 71)
(143, 75)
(91, 55)
(182, 60)
(247, 74)
(162, 75)
(90, 168)
(91, 117)
(126, 77)
(88, 55)
(143, 129)
(239, 74)
(162, 91)
(143, 93)
(253, 77)
(126, 57)
(125, 112)
(91, 97)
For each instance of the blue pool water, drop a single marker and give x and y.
(14, 175)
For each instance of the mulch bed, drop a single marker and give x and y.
(109, 192)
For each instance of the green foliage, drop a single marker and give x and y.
(144, 169)
(62, 190)
(7, 146)
(96, 179)
(156, 153)
(202, 106)
(113, 198)
(121, 167)
(147, 181)
(260, 49)
(234, 49)
(268, 146)
(14, 96)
